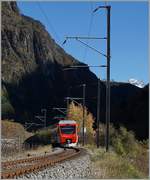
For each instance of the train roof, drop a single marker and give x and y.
(67, 122)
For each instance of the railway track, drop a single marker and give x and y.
(13, 169)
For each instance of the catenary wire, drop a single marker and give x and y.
(89, 30)
(48, 21)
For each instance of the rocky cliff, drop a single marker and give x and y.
(33, 75)
(32, 64)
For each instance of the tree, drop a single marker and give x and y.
(75, 112)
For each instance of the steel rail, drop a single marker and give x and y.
(11, 170)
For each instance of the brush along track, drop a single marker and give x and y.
(13, 169)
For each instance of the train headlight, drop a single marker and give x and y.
(68, 141)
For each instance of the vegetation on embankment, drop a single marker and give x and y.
(40, 137)
(13, 130)
(127, 157)
(111, 165)
(7, 108)
(14, 136)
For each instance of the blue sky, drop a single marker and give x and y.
(129, 33)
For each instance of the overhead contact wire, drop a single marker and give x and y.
(48, 21)
(89, 31)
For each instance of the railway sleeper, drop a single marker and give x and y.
(33, 168)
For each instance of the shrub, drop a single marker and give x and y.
(102, 134)
(41, 137)
(125, 143)
(127, 157)
(118, 146)
(7, 108)
(121, 140)
(111, 165)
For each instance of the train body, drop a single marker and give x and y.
(65, 134)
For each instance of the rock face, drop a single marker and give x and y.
(33, 77)
(27, 47)
(32, 64)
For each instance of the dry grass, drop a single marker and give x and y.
(141, 160)
(13, 135)
(39, 150)
(23, 153)
(128, 158)
(111, 165)
(12, 130)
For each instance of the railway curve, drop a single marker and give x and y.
(13, 169)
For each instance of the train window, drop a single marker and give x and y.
(67, 129)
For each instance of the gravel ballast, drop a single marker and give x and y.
(78, 167)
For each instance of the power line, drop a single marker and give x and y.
(91, 48)
(85, 44)
(105, 3)
(48, 21)
(89, 31)
(83, 37)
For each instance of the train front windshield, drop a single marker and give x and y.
(67, 129)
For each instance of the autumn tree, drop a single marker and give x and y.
(75, 112)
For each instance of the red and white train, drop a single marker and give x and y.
(65, 134)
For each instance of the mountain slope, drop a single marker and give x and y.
(33, 75)
(32, 64)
